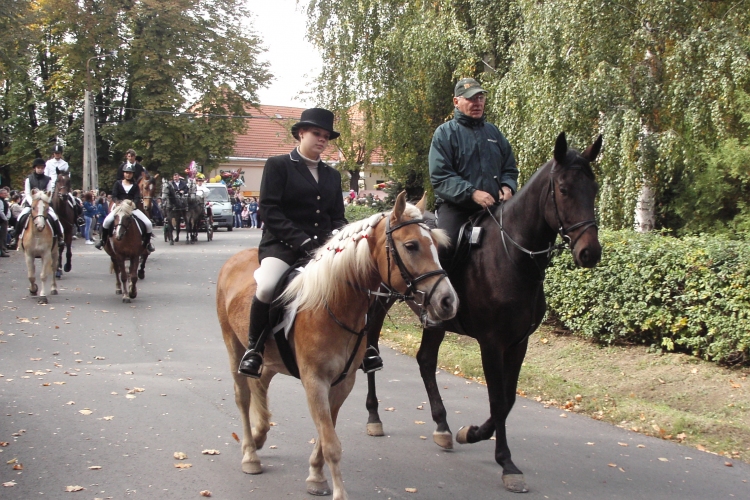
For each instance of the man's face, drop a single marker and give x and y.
(176, 177)
(473, 107)
(57, 155)
(130, 157)
(3, 194)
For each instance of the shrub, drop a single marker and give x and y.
(690, 294)
(355, 212)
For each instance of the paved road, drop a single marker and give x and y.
(88, 381)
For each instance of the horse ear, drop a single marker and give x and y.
(422, 203)
(398, 208)
(561, 148)
(593, 151)
(57, 170)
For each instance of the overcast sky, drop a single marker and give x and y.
(294, 62)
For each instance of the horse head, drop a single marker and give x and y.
(409, 261)
(62, 184)
(146, 187)
(123, 218)
(573, 189)
(39, 210)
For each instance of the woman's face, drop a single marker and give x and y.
(128, 176)
(313, 140)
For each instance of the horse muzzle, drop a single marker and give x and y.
(587, 251)
(443, 303)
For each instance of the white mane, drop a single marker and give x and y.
(344, 261)
(40, 195)
(125, 208)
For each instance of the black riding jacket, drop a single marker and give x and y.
(119, 193)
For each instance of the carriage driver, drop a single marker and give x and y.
(126, 189)
(57, 164)
(37, 180)
(301, 205)
(471, 163)
(202, 191)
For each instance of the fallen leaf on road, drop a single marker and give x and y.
(95, 467)
(70, 403)
(35, 359)
(85, 412)
(273, 447)
(590, 443)
(59, 383)
(661, 459)
(12, 461)
(411, 490)
(20, 466)
(312, 441)
(128, 373)
(99, 357)
(641, 446)
(183, 466)
(109, 417)
(205, 493)
(9, 484)
(728, 464)
(623, 444)
(130, 396)
(236, 437)
(46, 384)
(422, 437)
(390, 409)
(418, 422)
(74, 488)
(211, 452)
(612, 465)
(180, 455)
(4, 443)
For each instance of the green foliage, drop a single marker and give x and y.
(690, 294)
(354, 212)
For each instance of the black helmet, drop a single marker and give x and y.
(38, 162)
(57, 149)
(128, 168)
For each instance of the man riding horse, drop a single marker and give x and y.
(55, 165)
(37, 180)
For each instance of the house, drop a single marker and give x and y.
(269, 134)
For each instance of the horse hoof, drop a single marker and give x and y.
(33, 292)
(171, 243)
(58, 274)
(443, 439)
(133, 295)
(141, 274)
(67, 267)
(126, 300)
(375, 429)
(118, 292)
(515, 483)
(462, 434)
(53, 292)
(318, 488)
(252, 468)
(42, 300)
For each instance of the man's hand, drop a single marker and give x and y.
(505, 193)
(482, 198)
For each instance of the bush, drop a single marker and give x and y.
(355, 212)
(690, 294)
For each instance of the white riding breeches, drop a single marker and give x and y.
(50, 213)
(267, 277)
(110, 218)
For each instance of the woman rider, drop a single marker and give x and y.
(126, 189)
(301, 205)
(37, 180)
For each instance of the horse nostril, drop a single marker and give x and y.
(447, 303)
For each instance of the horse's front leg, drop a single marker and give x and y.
(427, 357)
(45, 271)
(133, 277)
(58, 270)
(31, 272)
(501, 370)
(53, 266)
(68, 253)
(142, 268)
(123, 281)
(376, 315)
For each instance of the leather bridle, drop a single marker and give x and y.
(561, 230)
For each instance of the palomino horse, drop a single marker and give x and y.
(332, 295)
(39, 242)
(146, 186)
(174, 209)
(126, 243)
(502, 293)
(67, 216)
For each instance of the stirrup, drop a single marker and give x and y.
(251, 353)
(372, 361)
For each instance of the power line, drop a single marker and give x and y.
(200, 115)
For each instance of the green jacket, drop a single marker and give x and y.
(467, 154)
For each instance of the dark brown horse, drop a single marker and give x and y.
(501, 292)
(61, 205)
(126, 243)
(174, 208)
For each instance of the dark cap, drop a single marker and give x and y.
(38, 162)
(467, 88)
(57, 149)
(315, 117)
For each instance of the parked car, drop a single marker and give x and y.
(221, 206)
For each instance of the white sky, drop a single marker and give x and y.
(294, 61)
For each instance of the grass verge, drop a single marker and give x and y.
(670, 396)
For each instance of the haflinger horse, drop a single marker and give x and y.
(39, 242)
(66, 214)
(126, 243)
(331, 295)
(501, 289)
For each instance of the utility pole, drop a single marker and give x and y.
(90, 167)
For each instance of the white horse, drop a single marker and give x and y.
(39, 242)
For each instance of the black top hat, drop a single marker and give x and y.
(57, 149)
(315, 117)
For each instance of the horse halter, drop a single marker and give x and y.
(561, 230)
(408, 278)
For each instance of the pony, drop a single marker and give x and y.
(67, 216)
(331, 296)
(126, 243)
(147, 187)
(174, 208)
(38, 241)
(501, 289)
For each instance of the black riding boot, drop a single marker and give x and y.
(21, 224)
(372, 361)
(147, 242)
(80, 221)
(252, 361)
(57, 230)
(103, 237)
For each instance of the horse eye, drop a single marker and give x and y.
(411, 246)
(563, 191)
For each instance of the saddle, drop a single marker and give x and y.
(469, 236)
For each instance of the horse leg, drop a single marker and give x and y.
(58, 271)
(53, 267)
(133, 277)
(116, 268)
(68, 252)
(31, 269)
(501, 369)
(123, 269)
(427, 357)
(142, 269)
(377, 315)
(46, 268)
(328, 447)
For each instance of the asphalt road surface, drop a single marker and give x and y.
(100, 394)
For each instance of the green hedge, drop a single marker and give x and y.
(354, 213)
(690, 294)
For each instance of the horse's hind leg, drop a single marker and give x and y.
(427, 358)
(31, 269)
(53, 274)
(377, 315)
(142, 269)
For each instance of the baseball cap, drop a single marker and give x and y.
(468, 88)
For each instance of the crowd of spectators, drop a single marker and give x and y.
(245, 212)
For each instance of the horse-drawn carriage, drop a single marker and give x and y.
(188, 211)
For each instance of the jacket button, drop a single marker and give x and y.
(315, 237)
(318, 197)
(317, 211)
(316, 224)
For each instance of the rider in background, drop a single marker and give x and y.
(130, 160)
(301, 204)
(57, 164)
(37, 180)
(471, 162)
(127, 189)
(179, 185)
